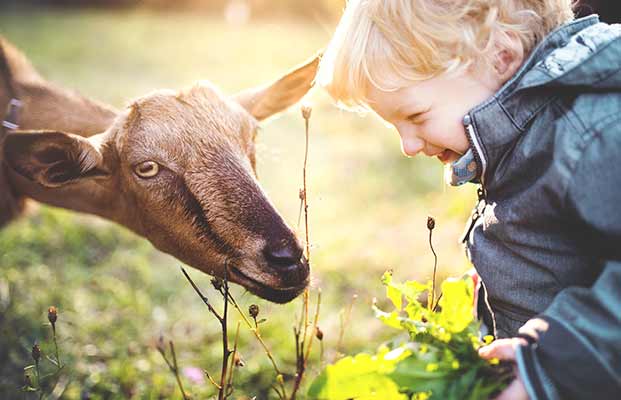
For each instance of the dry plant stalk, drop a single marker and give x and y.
(223, 287)
(304, 342)
(172, 365)
(344, 319)
(52, 316)
(282, 393)
(229, 385)
(432, 303)
(225, 388)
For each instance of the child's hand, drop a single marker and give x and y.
(504, 349)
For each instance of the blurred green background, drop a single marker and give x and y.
(116, 294)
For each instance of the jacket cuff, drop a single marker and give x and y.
(537, 384)
(560, 366)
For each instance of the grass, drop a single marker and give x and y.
(116, 294)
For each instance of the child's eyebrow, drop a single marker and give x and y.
(407, 110)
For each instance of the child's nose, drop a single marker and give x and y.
(411, 145)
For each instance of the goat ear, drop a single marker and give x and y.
(53, 158)
(268, 100)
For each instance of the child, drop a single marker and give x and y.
(517, 97)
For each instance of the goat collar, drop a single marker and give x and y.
(10, 121)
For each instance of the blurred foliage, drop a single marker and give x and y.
(302, 9)
(115, 294)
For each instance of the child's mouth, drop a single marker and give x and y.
(447, 156)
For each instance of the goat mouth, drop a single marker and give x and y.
(275, 295)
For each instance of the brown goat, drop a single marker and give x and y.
(175, 167)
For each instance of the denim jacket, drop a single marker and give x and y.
(546, 235)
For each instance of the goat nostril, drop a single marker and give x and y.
(283, 257)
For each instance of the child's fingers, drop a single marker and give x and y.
(515, 391)
(534, 327)
(502, 349)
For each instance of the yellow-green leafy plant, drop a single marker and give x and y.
(437, 359)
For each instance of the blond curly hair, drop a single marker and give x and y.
(389, 43)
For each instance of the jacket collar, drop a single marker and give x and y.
(496, 123)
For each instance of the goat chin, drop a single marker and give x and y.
(273, 293)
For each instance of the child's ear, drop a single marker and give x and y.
(508, 58)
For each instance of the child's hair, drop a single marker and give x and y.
(388, 43)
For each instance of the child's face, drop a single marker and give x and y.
(428, 115)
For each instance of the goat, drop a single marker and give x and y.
(177, 168)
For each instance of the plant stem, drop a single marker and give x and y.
(59, 366)
(200, 294)
(229, 385)
(303, 354)
(431, 305)
(344, 322)
(39, 379)
(257, 335)
(225, 339)
(306, 126)
(176, 369)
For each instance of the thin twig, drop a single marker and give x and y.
(257, 335)
(229, 385)
(200, 294)
(39, 379)
(225, 339)
(280, 395)
(58, 365)
(345, 318)
(213, 382)
(435, 308)
(174, 368)
(315, 320)
(430, 225)
(52, 316)
(301, 332)
(303, 354)
(306, 112)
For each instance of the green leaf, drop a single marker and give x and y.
(360, 377)
(457, 304)
(391, 319)
(395, 296)
(392, 291)
(412, 289)
(50, 359)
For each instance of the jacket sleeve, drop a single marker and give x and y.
(579, 355)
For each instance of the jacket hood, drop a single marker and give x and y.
(585, 54)
(581, 56)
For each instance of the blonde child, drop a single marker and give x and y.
(517, 97)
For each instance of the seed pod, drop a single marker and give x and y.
(306, 112)
(36, 352)
(431, 223)
(52, 314)
(253, 310)
(160, 344)
(319, 333)
(238, 360)
(27, 380)
(216, 283)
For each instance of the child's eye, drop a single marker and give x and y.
(417, 118)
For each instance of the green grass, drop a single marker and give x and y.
(116, 294)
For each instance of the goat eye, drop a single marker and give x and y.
(147, 169)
